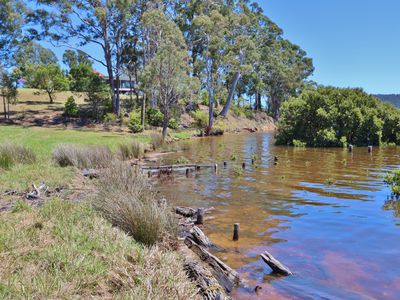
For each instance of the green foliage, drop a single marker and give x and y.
(71, 108)
(48, 78)
(334, 117)
(154, 117)
(173, 124)
(299, 144)
(135, 124)
(98, 97)
(182, 161)
(201, 118)
(81, 76)
(237, 170)
(110, 118)
(131, 150)
(392, 179)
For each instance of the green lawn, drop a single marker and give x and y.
(42, 141)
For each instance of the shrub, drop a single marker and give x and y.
(110, 118)
(154, 117)
(393, 181)
(157, 140)
(299, 144)
(135, 124)
(71, 108)
(126, 199)
(132, 150)
(11, 154)
(82, 157)
(173, 124)
(201, 118)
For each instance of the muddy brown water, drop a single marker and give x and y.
(322, 212)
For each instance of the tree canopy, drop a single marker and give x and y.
(334, 117)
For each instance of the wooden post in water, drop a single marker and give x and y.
(252, 161)
(351, 148)
(236, 227)
(187, 172)
(244, 165)
(200, 216)
(225, 164)
(149, 174)
(197, 168)
(369, 149)
(216, 168)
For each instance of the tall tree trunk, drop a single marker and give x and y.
(107, 57)
(4, 105)
(235, 81)
(210, 108)
(257, 105)
(165, 123)
(117, 98)
(130, 90)
(143, 116)
(8, 108)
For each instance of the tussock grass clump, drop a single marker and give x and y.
(131, 150)
(82, 157)
(65, 250)
(126, 199)
(157, 140)
(11, 154)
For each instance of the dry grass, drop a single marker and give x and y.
(11, 154)
(132, 150)
(157, 140)
(126, 199)
(82, 157)
(66, 251)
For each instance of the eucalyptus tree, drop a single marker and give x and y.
(73, 58)
(104, 23)
(166, 74)
(242, 50)
(212, 28)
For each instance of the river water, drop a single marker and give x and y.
(322, 212)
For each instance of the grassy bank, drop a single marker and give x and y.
(65, 250)
(42, 142)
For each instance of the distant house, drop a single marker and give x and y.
(125, 85)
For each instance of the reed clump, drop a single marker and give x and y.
(132, 150)
(125, 198)
(11, 154)
(82, 157)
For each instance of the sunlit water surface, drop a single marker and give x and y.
(322, 212)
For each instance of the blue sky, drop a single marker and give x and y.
(354, 43)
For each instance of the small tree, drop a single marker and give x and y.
(166, 73)
(98, 96)
(8, 91)
(48, 78)
(71, 108)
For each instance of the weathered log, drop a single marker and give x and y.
(274, 264)
(183, 167)
(210, 289)
(185, 211)
(236, 227)
(225, 275)
(200, 238)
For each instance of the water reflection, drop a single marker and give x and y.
(321, 211)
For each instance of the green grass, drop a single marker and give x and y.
(64, 250)
(42, 142)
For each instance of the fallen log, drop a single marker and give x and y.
(200, 238)
(183, 167)
(225, 275)
(274, 264)
(210, 289)
(186, 211)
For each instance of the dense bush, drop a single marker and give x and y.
(154, 117)
(393, 181)
(82, 157)
(11, 154)
(135, 123)
(334, 117)
(71, 108)
(201, 118)
(126, 199)
(173, 124)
